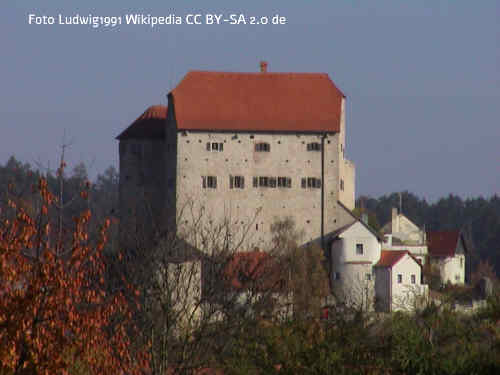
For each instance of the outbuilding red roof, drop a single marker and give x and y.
(253, 269)
(388, 258)
(442, 243)
(151, 124)
(270, 102)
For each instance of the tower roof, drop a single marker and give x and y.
(151, 124)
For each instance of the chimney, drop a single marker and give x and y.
(364, 218)
(395, 220)
(263, 66)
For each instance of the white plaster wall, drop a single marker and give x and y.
(345, 249)
(347, 195)
(404, 294)
(288, 157)
(452, 267)
(353, 268)
(183, 287)
(347, 171)
(406, 230)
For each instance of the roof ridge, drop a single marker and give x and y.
(260, 74)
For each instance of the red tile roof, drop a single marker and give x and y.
(151, 124)
(388, 258)
(443, 243)
(358, 262)
(254, 269)
(270, 102)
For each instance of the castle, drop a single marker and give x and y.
(252, 147)
(247, 150)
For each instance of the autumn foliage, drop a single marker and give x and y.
(56, 314)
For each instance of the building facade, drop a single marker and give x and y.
(243, 150)
(448, 251)
(355, 250)
(399, 282)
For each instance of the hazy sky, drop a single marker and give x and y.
(422, 79)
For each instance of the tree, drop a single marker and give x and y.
(55, 308)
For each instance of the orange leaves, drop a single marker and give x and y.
(51, 303)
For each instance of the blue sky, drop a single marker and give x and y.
(422, 80)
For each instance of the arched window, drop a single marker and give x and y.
(262, 147)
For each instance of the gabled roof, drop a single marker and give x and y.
(356, 219)
(253, 269)
(267, 102)
(388, 258)
(151, 124)
(442, 243)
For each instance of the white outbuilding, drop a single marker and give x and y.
(398, 281)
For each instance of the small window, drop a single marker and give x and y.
(314, 146)
(237, 182)
(262, 147)
(284, 182)
(263, 181)
(359, 249)
(255, 182)
(272, 182)
(209, 182)
(312, 182)
(336, 276)
(400, 279)
(303, 183)
(368, 276)
(136, 149)
(457, 277)
(413, 279)
(342, 184)
(461, 262)
(215, 146)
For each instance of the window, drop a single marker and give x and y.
(262, 147)
(413, 279)
(136, 149)
(209, 182)
(311, 182)
(457, 277)
(255, 182)
(237, 182)
(461, 262)
(342, 184)
(284, 182)
(336, 276)
(400, 279)
(314, 146)
(368, 276)
(272, 182)
(359, 249)
(215, 146)
(264, 181)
